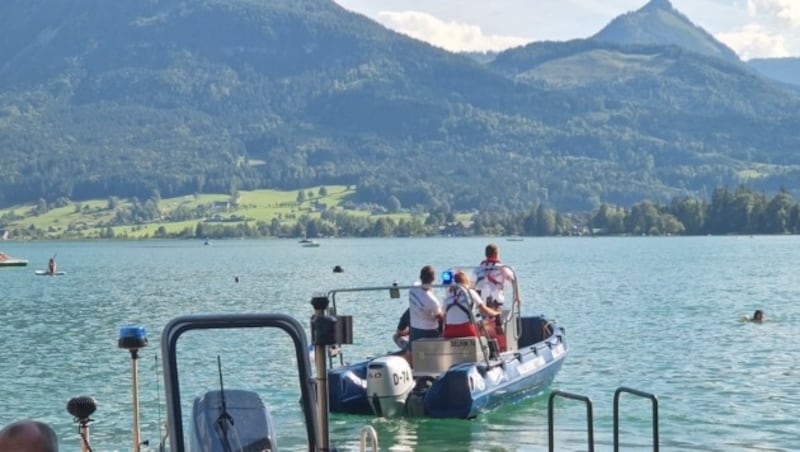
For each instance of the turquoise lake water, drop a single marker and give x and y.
(662, 315)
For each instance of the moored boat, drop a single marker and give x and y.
(452, 377)
(8, 261)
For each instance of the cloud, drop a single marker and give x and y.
(452, 36)
(754, 41)
(786, 11)
(769, 30)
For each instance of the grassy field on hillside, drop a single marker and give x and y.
(94, 218)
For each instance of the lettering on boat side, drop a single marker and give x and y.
(462, 343)
(402, 377)
(530, 365)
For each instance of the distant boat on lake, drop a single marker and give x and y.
(8, 261)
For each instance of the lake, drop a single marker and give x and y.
(661, 315)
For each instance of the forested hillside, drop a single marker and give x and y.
(129, 98)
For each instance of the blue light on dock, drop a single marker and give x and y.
(132, 337)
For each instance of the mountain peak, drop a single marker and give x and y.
(659, 23)
(658, 4)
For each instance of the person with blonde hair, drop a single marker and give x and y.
(461, 308)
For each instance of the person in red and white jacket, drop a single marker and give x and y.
(491, 276)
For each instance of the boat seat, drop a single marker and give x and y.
(433, 356)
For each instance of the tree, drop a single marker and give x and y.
(394, 205)
(301, 196)
(323, 191)
(545, 221)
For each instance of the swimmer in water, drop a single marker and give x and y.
(758, 316)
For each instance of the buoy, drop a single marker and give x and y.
(338, 269)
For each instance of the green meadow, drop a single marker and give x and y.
(94, 218)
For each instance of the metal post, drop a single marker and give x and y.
(135, 398)
(81, 408)
(132, 338)
(84, 431)
(320, 336)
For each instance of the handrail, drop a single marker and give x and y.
(515, 312)
(333, 309)
(370, 432)
(179, 325)
(589, 417)
(639, 393)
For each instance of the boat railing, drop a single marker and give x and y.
(514, 313)
(590, 418)
(394, 292)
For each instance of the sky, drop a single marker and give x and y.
(752, 28)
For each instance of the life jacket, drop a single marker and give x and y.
(457, 296)
(488, 273)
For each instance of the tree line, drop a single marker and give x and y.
(738, 211)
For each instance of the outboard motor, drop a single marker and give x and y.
(233, 419)
(389, 382)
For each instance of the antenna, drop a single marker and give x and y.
(224, 416)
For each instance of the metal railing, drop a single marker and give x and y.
(635, 392)
(590, 418)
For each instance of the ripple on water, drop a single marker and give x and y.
(657, 314)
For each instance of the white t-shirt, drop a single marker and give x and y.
(490, 278)
(423, 308)
(456, 306)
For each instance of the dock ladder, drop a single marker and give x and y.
(590, 418)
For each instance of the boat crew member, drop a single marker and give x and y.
(425, 310)
(491, 276)
(400, 336)
(28, 436)
(457, 307)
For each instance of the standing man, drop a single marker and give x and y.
(490, 279)
(425, 310)
(491, 276)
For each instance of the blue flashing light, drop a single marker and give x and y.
(447, 277)
(132, 337)
(132, 332)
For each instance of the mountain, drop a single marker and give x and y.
(786, 70)
(172, 97)
(659, 23)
